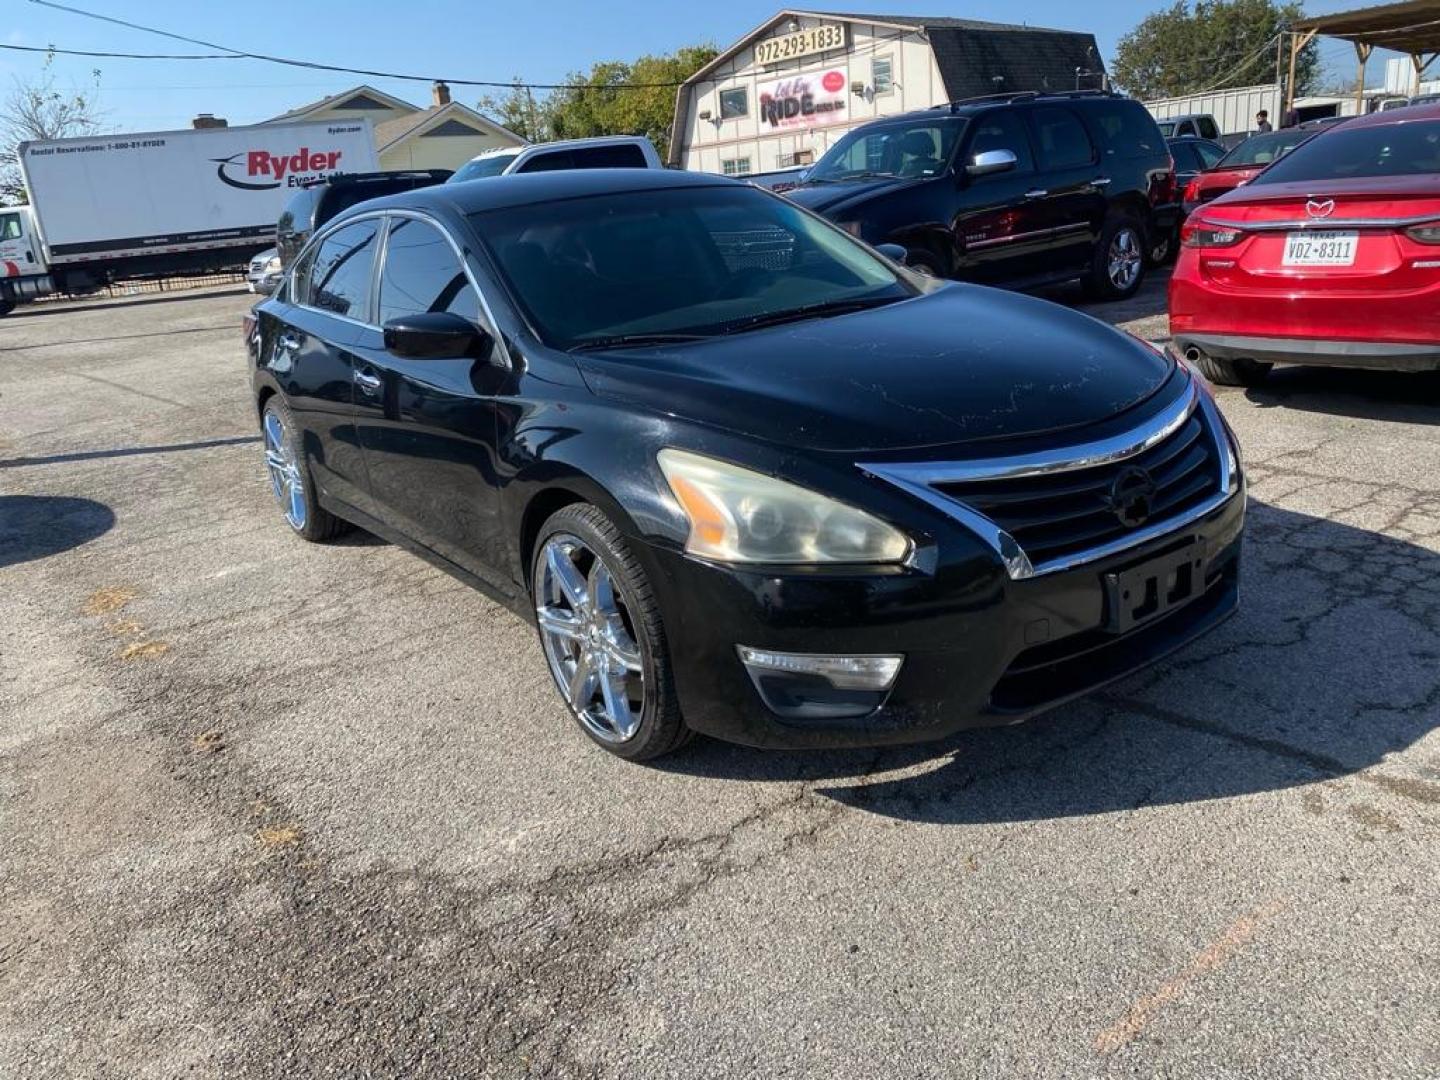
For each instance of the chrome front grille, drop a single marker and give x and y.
(1055, 510)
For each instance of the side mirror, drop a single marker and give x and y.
(894, 252)
(436, 335)
(991, 161)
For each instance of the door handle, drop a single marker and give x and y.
(288, 341)
(1100, 181)
(1037, 193)
(366, 382)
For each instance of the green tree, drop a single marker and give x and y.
(616, 97)
(1210, 45)
(37, 108)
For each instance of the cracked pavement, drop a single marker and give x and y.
(277, 810)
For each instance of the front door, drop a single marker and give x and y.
(428, 427)
(19, 247)
(1000, 228)
(1072, 187)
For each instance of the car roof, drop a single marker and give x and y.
(522, 189)
(1405, 114)
(562, 144)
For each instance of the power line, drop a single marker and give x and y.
(228, 53)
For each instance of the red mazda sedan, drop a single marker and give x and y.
(1330, 256)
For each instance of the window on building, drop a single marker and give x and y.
(799, 157)
(1061, 138)
(733, 103)
(882, 74)
(735, 166)
(339, 279)
(422, 274)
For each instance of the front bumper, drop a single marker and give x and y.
(1373, 355)
(980, 649)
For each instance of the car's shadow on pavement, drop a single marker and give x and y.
(1332, 662)
(1397, 396)
(36, 526)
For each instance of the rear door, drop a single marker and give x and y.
(428, 427)
(1001, 225)
(1070, 188)
(310, 352)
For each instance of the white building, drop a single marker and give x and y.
(785, 91)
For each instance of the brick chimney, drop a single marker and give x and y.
(209, 120)
(440, 93)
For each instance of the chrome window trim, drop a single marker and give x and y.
(917, 478)
(1319, 223)
(492, 327)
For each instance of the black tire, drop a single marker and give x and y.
(1237, 372)
(319, 524)
(1097, 280)
(923, 263)
(661, 729)
(1163, 248)
(6, 306)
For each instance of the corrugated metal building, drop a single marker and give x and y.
(785, 91)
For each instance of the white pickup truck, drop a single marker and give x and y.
(161, 203)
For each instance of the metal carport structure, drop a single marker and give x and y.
(1411, 27)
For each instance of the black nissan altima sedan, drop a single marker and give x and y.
(746, 475)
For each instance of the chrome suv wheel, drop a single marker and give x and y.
(1124, 261)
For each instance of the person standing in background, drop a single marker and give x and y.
(1262, 121)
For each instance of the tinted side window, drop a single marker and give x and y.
(422, 274)
(1184, 155)
(549, 162)
(1209, 153)
(623, 156)
(1208, 130)
(1124, 129)
(1003, 130)
(1061, 139)
(339, 280)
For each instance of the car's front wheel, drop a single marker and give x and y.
(290, 481)
(603, 636)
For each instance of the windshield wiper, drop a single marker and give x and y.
(809, 311)
(625, 341)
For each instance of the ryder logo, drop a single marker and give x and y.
(259, 170)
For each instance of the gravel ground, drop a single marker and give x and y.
(270, 809)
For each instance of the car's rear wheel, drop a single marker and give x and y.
(1163, 245)
(1236, 372)
(603, 636)
(6, 306)
(290, 481)
(1117, 265)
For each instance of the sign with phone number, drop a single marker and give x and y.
(801, 43)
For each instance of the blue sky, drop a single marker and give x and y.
(543, 41)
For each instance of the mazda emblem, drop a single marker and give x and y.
(1132, 496)
(1320, 208)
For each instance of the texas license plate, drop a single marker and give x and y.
(1321, 248)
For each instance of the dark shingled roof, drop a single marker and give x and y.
(971, 54)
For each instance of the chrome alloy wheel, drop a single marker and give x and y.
(1124, 258)
(286, 480)
(589, 639)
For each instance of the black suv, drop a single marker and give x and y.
(316, 203)
(1017, 189)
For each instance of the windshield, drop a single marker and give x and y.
(914, 149)
(1350, 153)
(687, 261)
(1263, 149)
(1167, 127)
(481, 167)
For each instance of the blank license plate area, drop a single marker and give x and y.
(1152, 588)
(1321, 248)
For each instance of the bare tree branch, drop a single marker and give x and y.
(37, 108)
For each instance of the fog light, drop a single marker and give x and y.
(841, 672)
(811, 686)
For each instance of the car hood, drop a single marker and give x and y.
(961, 364)
(831, 197)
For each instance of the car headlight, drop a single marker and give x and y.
(741, 516)
(272, 266)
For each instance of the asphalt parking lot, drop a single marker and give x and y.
(275, 809)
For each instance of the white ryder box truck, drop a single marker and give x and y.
(161, 203)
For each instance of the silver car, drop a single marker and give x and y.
(263, 273)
